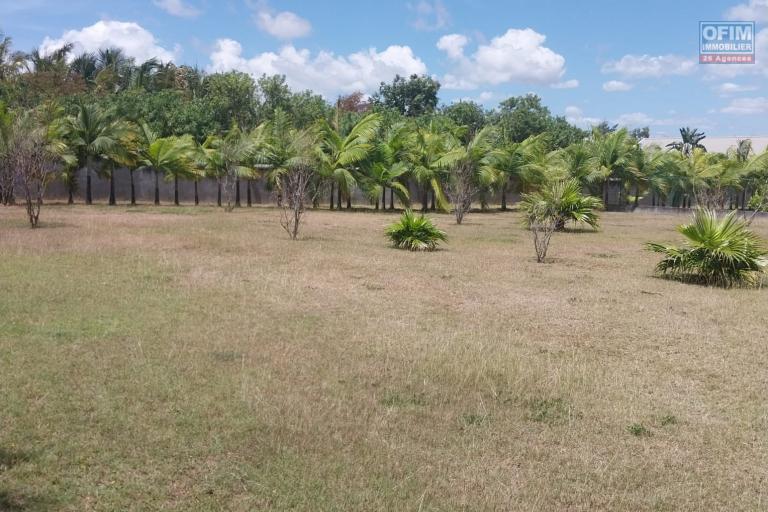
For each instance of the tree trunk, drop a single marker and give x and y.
(330, 207)
(391, 199)
(157, 188)
(197, 196)
(112, 201)
(71, 199)
(349, 201)
(637, 194)
(424, 199)
(88, 196)
(338, 199)
(248, 199)
(218, 193)
(133, 189)
(237, 192)
(504, 197)
(433, 206)
(176, 190)
(377, 203)
(383, 198)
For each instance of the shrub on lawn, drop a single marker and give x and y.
(415, 233)
(718, 252)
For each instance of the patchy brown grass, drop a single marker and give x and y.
(188, 359)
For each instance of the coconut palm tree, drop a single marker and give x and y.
(341, 155)
(229, 159)
(649, 169)
(470, 166)
(612, 151)
(430, 143)
(171, 156)
(388, 166)
(94, 136)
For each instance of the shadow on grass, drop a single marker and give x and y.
(11, 501)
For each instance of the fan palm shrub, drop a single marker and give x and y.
(567, 202)
(415, 233)
(718, 252)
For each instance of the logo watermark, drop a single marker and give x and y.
(727, 42)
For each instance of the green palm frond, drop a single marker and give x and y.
(718, 252)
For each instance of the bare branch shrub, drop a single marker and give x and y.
(461, 190)
(34, 166)
(293, 186)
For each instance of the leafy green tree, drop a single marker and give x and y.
(411, 97)
(231, 96)
(467, 113)
(521, 117)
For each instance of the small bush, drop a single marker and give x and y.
(718, 252)
(668, 419)
(639, 430)
(415, 233)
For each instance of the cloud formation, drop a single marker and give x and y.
(177, 8)
(325, 72)
(429, 15)
(517, 56)
(132, 38)
(284, 25)
(616, 86)
(650, 66)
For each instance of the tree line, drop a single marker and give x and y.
(105, 113)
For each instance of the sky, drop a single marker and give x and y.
(631, 63)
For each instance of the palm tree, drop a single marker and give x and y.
(471, 165)
(690, 139)
(340, 155)
(86, 66)
(523, 162)
(10, 62)
(94, 136)
(566, 201)
(229, 158)
(649, 169)
(612, 152)
(718, 252)
(171, 156)
(429, 144)
(388, 166)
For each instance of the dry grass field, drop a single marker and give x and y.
(190, 359)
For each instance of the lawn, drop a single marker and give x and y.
(190, 359)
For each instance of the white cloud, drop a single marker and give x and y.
(635, 119)
(575, 116)
(515, 56)
(729, 88)
(282, 25)
(649, 66)
(568, 84)
(747, 106)
(453, 45)
(177, 8)
(755, 10)
(429, 15)
(130, 37)
(616, 86)
(325, 72)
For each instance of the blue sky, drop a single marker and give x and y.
(633, 63)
